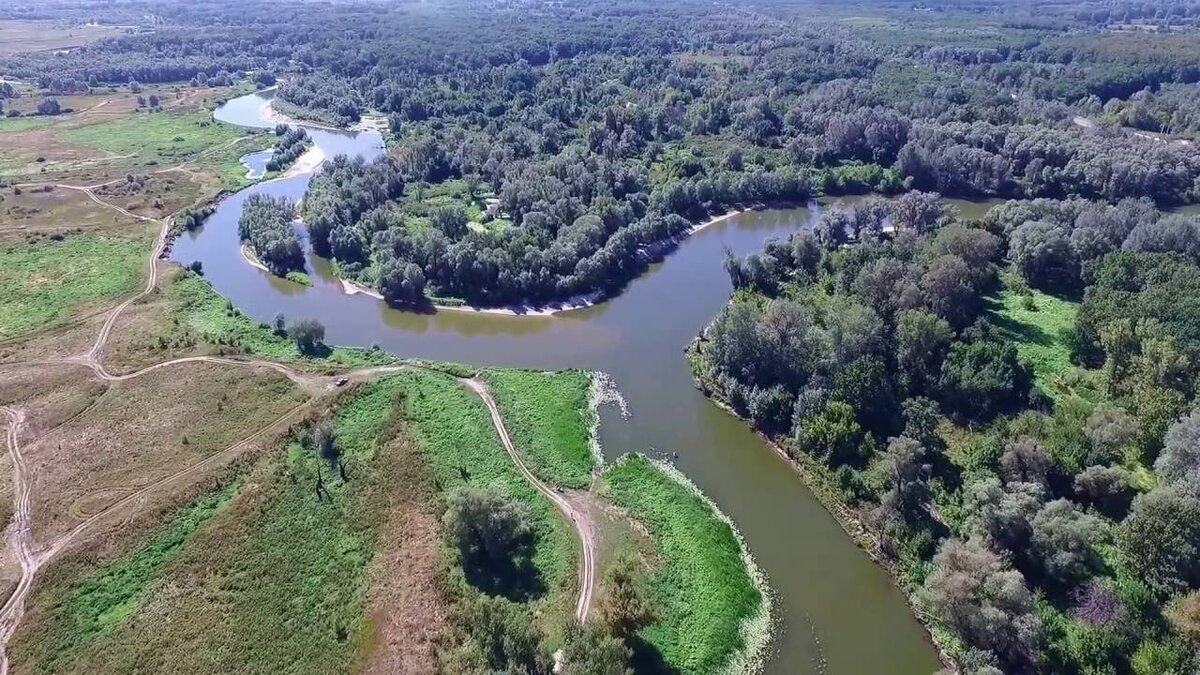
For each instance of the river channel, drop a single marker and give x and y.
(837, 612)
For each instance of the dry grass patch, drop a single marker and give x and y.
(407, 613)
(47, 210)
(145, 429)
(17, 35)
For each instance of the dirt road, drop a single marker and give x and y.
(31, 558)
(582, 520)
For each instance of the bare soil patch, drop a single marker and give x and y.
(407, 611)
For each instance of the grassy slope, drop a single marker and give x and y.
(45, 283)
(201, 310)
(1037, 325)
(703, 584)
(548, 417)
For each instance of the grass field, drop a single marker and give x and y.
(1036, 323)
(168, 138)
(707, 592)
(45, 283)
(548, 417)
(200, 310)
(276, 581)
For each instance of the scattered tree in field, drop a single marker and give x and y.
(308, 334)
(624, 605)
(494, 539)
(49, 106)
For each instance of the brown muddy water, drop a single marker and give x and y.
(837, 612)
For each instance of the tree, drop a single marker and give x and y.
(982, 378)
(1064, 540)
(402, 283)
(949, 289)
(1184, 614)
(1181, 449)
(1161, 539)
(49, 106)
(504, 637)
(1110, 430)
(1107, 488)
(1024, 461)
(1044, 256)
(922, 340)
(325, 440)
(920, 212)
(904, 472)
(588, 650)
(625, 606)
(494, 539)
(1003, 514)
(987, 603)
(308, 334)
(833, 434)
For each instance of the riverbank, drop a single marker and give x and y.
(270, 113)
(716, 603)
(823, 485)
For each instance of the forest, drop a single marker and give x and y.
(1048, 522)
(566, 147)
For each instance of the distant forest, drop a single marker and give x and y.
(557, 149)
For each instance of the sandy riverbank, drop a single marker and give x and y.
(275, 116)
(308, 162)
(549, 309)
(249, 256)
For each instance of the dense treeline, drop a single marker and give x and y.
(1048, 535)
(638, 117)
(292, 144)
(266, 225)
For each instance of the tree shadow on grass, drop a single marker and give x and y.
(517, 580)
(1016, 330)
(647, 659)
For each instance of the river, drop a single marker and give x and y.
(838, 613)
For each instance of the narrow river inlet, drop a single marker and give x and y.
(837, 612)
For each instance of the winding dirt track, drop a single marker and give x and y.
(31, 558)
(581, 520)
